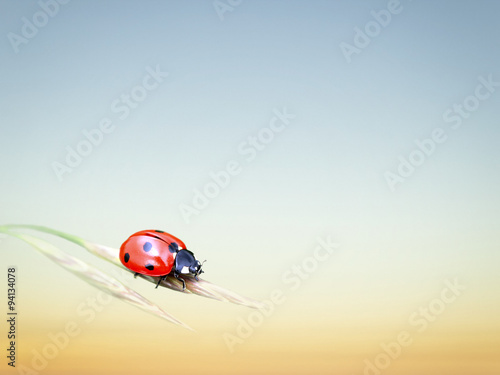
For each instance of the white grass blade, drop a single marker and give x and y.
(202, 288)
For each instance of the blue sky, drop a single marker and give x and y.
(225, 78)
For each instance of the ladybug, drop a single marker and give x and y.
(157, 253)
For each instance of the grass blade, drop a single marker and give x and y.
(201, 288)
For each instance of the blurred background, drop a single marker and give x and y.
(169, 92)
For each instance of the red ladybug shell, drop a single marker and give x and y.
(150, 252)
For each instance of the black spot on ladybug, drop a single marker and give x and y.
(126, 257)
(150, 267)
(173, 247)
(159, 231)
(147, 246)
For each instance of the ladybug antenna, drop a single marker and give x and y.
(200, 270)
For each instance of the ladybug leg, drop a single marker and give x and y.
(176, 275)
(135, 274)
(160, 280)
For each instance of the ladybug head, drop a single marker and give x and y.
(186, 263)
